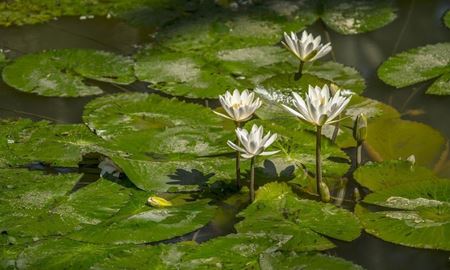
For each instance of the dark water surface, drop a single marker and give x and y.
(419, 23)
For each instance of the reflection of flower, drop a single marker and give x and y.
(307, 48)
(239, 107)
(108, 167)
(253, 143)
(319, 107)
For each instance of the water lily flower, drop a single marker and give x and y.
(308, 48)
(319, 107)
(253, 144)
(107, 166)
(240, 107)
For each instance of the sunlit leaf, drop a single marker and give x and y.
(137, 222)
(418, 214)
(63, 73)
(38, 205)
(277, 210)
(378, 176)
(418, 65)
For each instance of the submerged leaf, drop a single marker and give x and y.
(62, 73)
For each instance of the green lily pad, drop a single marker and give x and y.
(354, 16)
(418, 65)
(61, 254)
(181, 74)
(446, 19)
(24, 142)
(401, 138)
(277, 210)
(176, 175)
(131, 224)
(310, 261)
(2, 59)
(418, 214)
(389, 173)
(153, 127)
(37, 205)
(62, 73)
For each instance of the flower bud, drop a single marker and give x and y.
(356, 194)
(412, 159)
(158, 202)
(333, 89)
(360, 128)
(325, 192)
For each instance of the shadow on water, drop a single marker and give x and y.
(418, 23)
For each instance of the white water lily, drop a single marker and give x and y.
(253, 143)
(107, 166)
(307, 48)
(319, 107)
(239, 106)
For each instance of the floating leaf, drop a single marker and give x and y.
(23, 142)
(62, 73)
(418, 214)
(378, 176)
(355, 16)
(40, 205)
(183, 74)
(310, 261)
(446, 19)
(150, 126)
(396, 138)
(176, 175)
(138, 222)
(418, 65)
(61, 254)
(277, 210)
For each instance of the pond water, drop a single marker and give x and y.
(418, 23)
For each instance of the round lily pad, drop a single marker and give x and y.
(23, 142)
(277, 210)
(177, 175)
(131, 224)
(446, 19)
(63, 73)
(389, 173)
(152, 127)
(37, 205)
(418, 65)
(354, 16)
(418, 214)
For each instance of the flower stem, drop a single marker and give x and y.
(298, 75)
(318, 161)
(238, 160)
(336, 129)
(358, 154)
(252, 179)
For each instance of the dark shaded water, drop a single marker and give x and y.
(418, 23)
